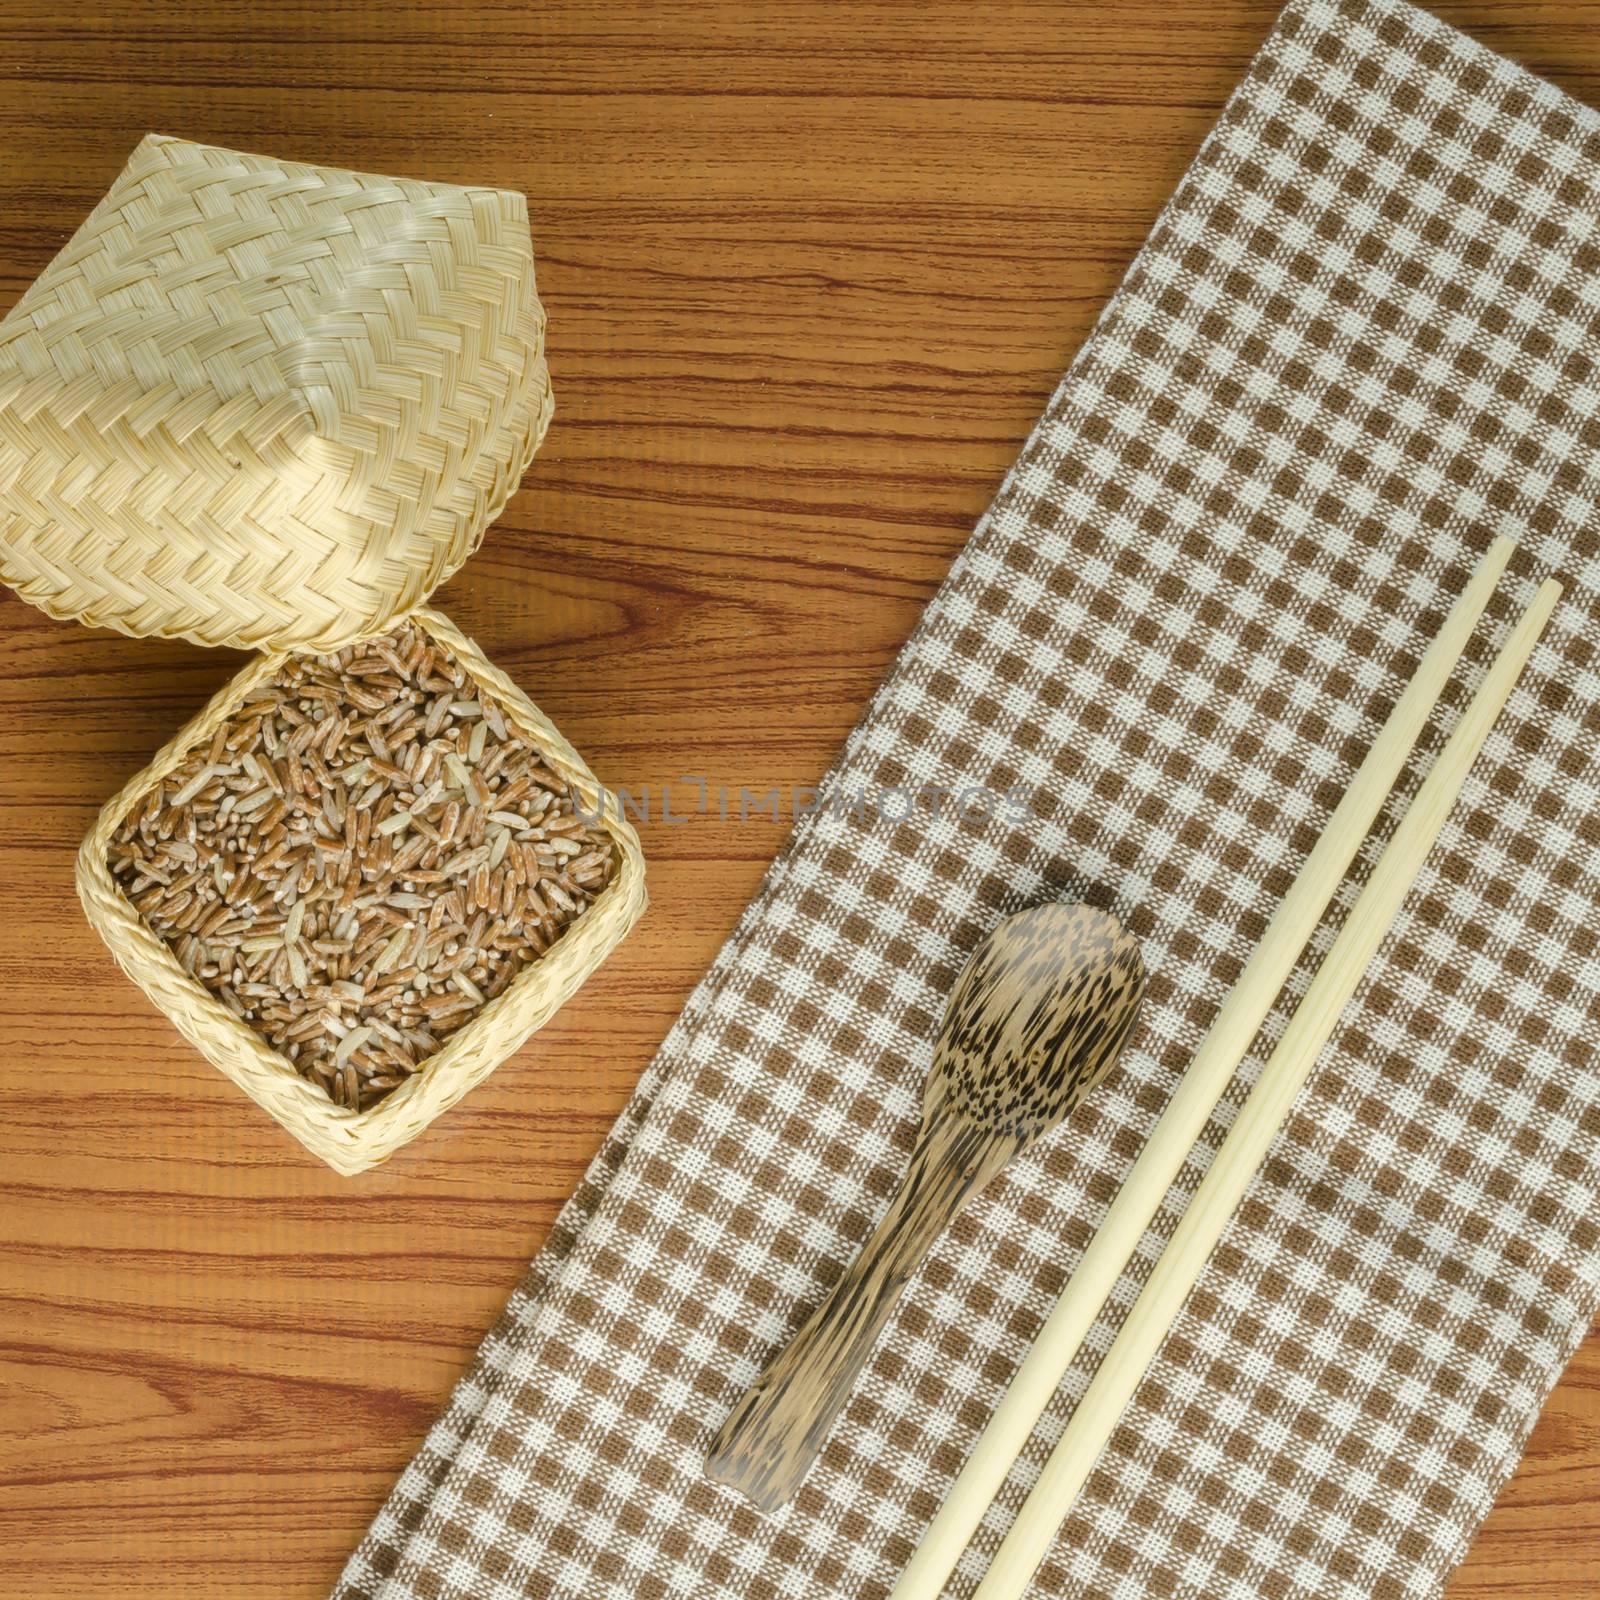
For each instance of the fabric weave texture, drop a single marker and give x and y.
(1361, 340)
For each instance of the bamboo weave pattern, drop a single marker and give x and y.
(263, 404)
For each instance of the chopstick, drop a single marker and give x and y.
(1201, 1085)
(1258, 1123)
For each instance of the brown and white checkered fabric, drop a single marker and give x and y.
(1362, 339)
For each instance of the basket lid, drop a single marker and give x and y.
(259, 403)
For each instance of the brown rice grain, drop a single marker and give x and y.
(364, 854)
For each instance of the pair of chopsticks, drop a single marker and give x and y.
(1218, 1057)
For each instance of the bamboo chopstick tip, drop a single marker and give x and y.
(1535, 616)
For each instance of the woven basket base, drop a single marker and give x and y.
(351, 1141)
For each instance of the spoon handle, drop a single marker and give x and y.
(771, 1437)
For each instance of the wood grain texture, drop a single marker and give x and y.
(812, 270)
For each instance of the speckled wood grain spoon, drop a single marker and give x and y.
(1036, 1019)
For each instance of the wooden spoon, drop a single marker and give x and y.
(1037, 1017)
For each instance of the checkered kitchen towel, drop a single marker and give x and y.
(1362, 339)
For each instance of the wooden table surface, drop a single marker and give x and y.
(811, 272)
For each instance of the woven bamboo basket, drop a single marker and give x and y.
(259, 403)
